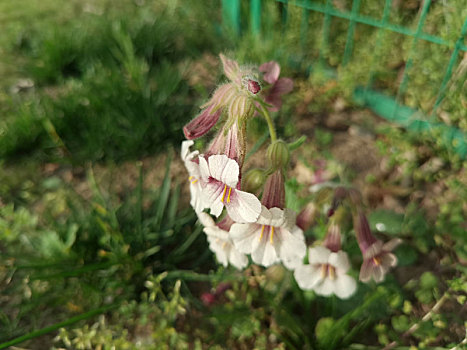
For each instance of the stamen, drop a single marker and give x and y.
(332, 272)
(189, 179)
(272, 234)
(223, 195)
(228, 196)
(324, 270)
(262, 231)
(376, 261)
(194, 181)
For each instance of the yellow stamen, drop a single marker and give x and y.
(223, 195)
(376, 261)
(228, 196)
(272, 234)
(324, 270)
(189, 179)
(332, 272)
(194, 181)
(262, 231)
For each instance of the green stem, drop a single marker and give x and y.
(272, 130)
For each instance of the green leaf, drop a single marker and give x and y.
(400, 323)
(406, 255)
(386, 221)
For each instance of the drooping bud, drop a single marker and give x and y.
(254, 180)
(333, 237)
(278, 155)
(202, 123)
(307, 216)
(362, 229)
(274, 191)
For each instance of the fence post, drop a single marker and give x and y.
(255, 16)
(231, 14)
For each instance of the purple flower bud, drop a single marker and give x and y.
(253, 86)
(333, 237)
(307, 216)
(274, 191)
(202, 123)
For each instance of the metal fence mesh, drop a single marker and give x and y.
(390, 106)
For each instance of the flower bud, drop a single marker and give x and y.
(307, 216)
(254, 180)
(278, 155)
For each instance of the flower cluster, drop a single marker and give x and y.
(245, 214)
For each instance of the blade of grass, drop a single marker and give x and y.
(164, 193)
(57, 326)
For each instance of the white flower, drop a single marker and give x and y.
(326, 273)
(221, 244)
(221, 177)
(272, 238)
(196, 185)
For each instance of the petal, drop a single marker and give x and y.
(231, 68)
(265, 254)
(277, 217)
(217, 246)
(264, 217)
(237, 259)
(340, 261)
(197, 200)
(290, 219)
(366, 271)
(388, 260)
(271, 71)
(217, 233)
(186, 148)
(292, 247)
(243, 206)
(192, 167)
(345, 286)
(378, 272)
(224, 169)
(201, 124)
(373, 250)
(392, 244)
(212, 195)
(206, 220)
(204, 168)
(245, 237)
(326, 287)
(318, 255)
(283, 86)
(307, 276)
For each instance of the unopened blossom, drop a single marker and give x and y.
(196, 184)
(307, 216)
(221, 176)
(230, 140)
(274, 236)
(377, 256)
(326, 273)
(278, 87)
(234, 98)
(220, 242)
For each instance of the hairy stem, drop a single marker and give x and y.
(272, 130)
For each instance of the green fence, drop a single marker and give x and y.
(388, 107)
